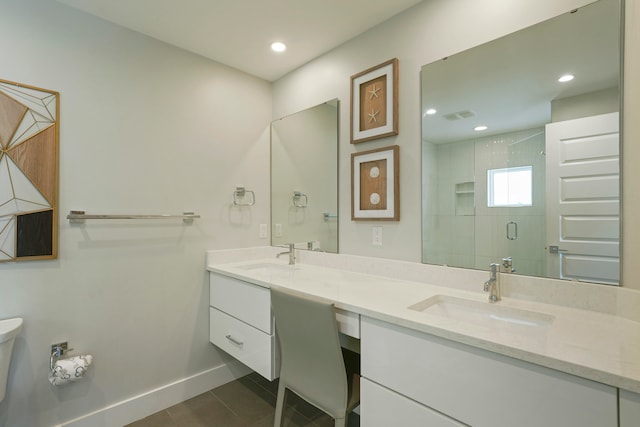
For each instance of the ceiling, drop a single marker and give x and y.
(238, 33)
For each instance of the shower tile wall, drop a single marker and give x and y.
(476, 237)
(455, 233)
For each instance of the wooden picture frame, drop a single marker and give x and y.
(29, 139)
(375, 185)
(374, 102)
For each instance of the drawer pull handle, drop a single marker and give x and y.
(233, 340)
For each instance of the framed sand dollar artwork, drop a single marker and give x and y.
(374, 102)
(28, 172)
(375, 185)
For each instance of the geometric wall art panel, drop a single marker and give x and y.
(36, 158)
(11, 115)
(29, 127)
(33, 231)
(7, 240)
(17, 192)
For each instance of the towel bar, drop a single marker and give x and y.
(76, 217)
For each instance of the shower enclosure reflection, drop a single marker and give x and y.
(496, 182)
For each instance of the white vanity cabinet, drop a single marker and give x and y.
(629, 409)
(411, 374)
(380, 407)
(241, 324)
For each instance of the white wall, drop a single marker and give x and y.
(145, 128)
(586, 105)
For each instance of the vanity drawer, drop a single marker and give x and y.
(466, 383)
(245, 301)
(381, 407)
(249, 345)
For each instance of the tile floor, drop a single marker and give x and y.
(247, 402)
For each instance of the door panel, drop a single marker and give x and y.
(583, 199)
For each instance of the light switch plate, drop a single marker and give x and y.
(376, 236)
(263, 231)
(278, 231)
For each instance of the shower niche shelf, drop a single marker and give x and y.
(465, 198)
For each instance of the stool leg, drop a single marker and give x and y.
(280, 402)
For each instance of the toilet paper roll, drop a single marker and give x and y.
(68, 370)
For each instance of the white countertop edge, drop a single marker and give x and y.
(609, 377)
(619, 301)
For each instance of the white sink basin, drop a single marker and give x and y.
(482, 313)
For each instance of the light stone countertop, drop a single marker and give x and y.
(591, 344)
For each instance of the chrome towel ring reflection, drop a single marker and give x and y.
(240, 194)
(300, 200)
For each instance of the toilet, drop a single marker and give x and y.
(9, 328)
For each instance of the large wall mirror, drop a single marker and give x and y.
(520, 150)
(304, 178)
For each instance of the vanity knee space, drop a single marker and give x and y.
(241, 324)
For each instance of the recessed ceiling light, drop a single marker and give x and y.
(278, 47)
(431, 111)
(566, 78)
(479, 128)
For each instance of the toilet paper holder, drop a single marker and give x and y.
(57, 351)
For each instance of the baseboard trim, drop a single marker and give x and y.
(145, 404)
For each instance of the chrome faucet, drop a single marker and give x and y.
(290, 252)
(507, 265)
(493, 284)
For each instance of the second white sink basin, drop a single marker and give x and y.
(482, 313)
(269, 267)
(264, 265)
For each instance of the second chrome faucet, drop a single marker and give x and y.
(493, 284)
(291, 253)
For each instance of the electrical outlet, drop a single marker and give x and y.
(278, 231)
(376, 236)
(263, 231)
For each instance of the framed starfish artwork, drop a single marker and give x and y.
(374, 102)
(28, 172)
